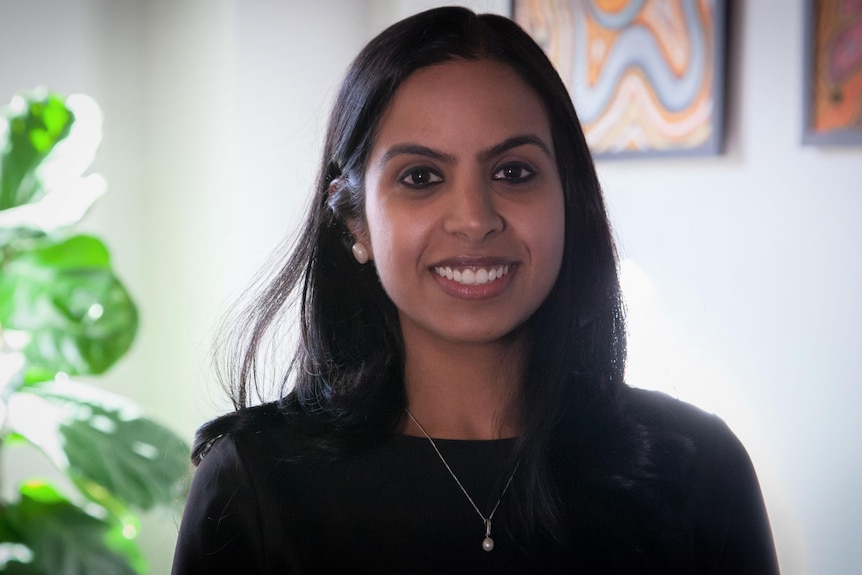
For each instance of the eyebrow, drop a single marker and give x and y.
(515, 142)
(502, 147)
(415, 150)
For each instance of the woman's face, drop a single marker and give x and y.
(464, 212)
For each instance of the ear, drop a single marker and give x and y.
(338, 201)
(359, 230)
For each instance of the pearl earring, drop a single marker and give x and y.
(360, 252)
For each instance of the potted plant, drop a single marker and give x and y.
(65, 314)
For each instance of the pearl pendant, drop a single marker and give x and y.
(488, 544)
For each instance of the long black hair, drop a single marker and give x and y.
(344, 381)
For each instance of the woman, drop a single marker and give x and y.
(456, 401)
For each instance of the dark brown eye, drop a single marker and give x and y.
(420, 178)
(514, 173)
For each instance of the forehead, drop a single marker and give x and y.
(463, 102)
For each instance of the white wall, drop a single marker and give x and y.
(755, 283)
(747, 277)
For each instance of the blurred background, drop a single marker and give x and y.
(740, 270)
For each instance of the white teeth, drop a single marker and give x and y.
(472, 276)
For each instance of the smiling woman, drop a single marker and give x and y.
(461, 177)
(456, 400)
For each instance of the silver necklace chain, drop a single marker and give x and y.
(487, 543)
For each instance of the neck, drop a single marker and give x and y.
(464, 391)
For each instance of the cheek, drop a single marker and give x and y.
(397, 251)
(396, 233)
(390, 241)
(554, 242)
(393, 262)
(373, 219)
(381, 234)
(550, 228)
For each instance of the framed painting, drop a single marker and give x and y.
(646, 76)
(832, 77)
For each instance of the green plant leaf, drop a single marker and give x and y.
(61, 207)
(14, 568)
(37, 123)
(64, 539)
(46, 146)
(15, 555)
(17, 559)
(77, 314)
(11, 378)
(112, 453)
(64, 312)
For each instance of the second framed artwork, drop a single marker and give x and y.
(646, 77)
(832, 78)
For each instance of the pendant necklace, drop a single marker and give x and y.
(487, 542)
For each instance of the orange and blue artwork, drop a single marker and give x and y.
(646, 76)
(834, 73)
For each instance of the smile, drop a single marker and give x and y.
(472, 276)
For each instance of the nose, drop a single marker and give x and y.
(472, 212)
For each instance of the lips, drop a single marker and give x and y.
(472, 275)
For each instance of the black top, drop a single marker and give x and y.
(394, 508)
